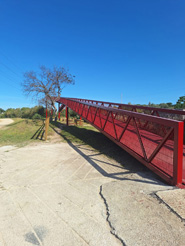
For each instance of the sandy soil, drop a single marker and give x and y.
(4, 122)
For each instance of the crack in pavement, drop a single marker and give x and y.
(160, 200)
(113, 230)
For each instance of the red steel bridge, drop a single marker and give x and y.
(153, 136)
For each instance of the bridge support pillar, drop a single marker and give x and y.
(59, 111)
(178, 154)
(67, 116)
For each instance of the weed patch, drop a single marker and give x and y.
(19, 132)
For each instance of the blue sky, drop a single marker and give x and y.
(123, 47)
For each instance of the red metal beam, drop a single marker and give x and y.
(67, 116)
(178, 154)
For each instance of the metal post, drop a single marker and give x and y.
(67, 116)
(59, 112)
(178, 154)
(184, 133)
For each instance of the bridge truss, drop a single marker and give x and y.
(143, 132)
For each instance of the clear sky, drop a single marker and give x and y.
(133, 48)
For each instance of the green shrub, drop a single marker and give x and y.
(36, 116)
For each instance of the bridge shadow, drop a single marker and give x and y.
(104, 146)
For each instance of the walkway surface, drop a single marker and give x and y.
(65, 194)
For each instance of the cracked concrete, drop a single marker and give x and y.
(65, 194)
(137, 216)
(113, 230)
(174, 200)
(54, 188)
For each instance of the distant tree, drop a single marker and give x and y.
(25, 112)
(152, 105)
(17, 113)
(160, 105)
(9, 113)
(163, 105)
(180, 103)
(170, 105)
(47, 85)
(40, 110)
(1, 110)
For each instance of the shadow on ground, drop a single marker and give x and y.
(39, 134)
(106, 147)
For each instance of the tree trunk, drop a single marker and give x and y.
(55, 110)
(56, 113)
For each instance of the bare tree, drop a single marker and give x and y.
(46, 85)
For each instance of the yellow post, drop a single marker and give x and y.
(46, 127)
(81, 123)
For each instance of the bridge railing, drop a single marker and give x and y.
(156, 142)
(176, 114)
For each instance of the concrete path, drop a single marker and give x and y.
(64, 194)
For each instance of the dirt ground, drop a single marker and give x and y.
(4, 122)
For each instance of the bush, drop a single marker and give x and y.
(36, 116)
(72, 113)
